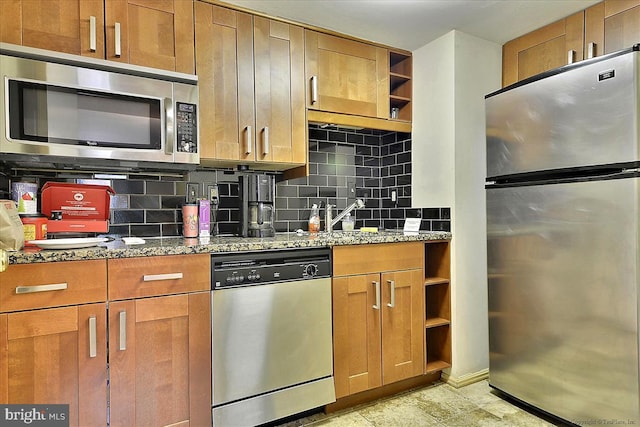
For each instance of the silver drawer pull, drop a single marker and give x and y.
(123, 331)
(154, 277)
(93, 344)
(41, 288)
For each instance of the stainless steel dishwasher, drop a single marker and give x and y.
(272, 351)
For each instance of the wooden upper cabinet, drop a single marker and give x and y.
(150, 33)
(279, 89)
(346, 76)
(603, 28)
(541, 50)
(251, 86)
(610, 26)
(59, 25)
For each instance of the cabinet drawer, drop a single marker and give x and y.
(52, 284)
(160, 275)
(379, 257)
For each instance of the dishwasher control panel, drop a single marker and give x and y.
(255, 268)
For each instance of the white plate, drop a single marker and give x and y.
(80, 242)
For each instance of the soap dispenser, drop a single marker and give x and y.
(314, 219)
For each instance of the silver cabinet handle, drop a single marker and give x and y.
(156, 277)
(92, 33)
(265, 140)
(117, 37)
(377, 304)
(571, 54)
(93, 343)
(247, 140)
(392, 303)
(314, 89)
(591, 50)
(123, 331)
(41, 288)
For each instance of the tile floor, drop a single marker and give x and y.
(438, 405)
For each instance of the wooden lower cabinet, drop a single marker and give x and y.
(56, 356)
(138, 357)
(378, 318)
(160, 363)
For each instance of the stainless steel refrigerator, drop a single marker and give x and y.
(563, 191)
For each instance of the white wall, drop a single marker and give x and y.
(451, 76)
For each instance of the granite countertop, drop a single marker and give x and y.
(179, 245)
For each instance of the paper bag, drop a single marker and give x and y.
(11, 230)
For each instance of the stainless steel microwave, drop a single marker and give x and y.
(67, 109)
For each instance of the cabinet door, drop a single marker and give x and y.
(549, 47)
(57, 356)
(279, 92)
(59, 25)
(402, 325)
(151, 33)
(346, 76)
(224, 57)
(160, 361)
(356, 334)
(610, 26)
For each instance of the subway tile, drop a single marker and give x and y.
(327, 192)
(128, 186)
(156, 216)
(355, 138)
(170, 229)
(144, 202)
(440, 226)
(128, 216)
(318, 134)
(171, 202)
(327, 169)
(337, 136)
(318, 157)
(431, 213)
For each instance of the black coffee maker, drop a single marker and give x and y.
(257, 196)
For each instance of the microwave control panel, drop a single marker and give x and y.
(186, 128)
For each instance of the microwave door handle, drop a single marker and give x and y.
(171, 135)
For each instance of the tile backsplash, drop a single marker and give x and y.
(344, 164)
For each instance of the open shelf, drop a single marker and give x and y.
(430, 281)
(438, 348)
(434, 322)
(437, 306)
(436, 366)
(400, 90)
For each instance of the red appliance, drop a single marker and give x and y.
(76, 208)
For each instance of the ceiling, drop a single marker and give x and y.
(410, 24)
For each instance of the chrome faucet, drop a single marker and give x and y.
(330, 222)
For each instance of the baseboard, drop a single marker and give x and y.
(466, 379)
